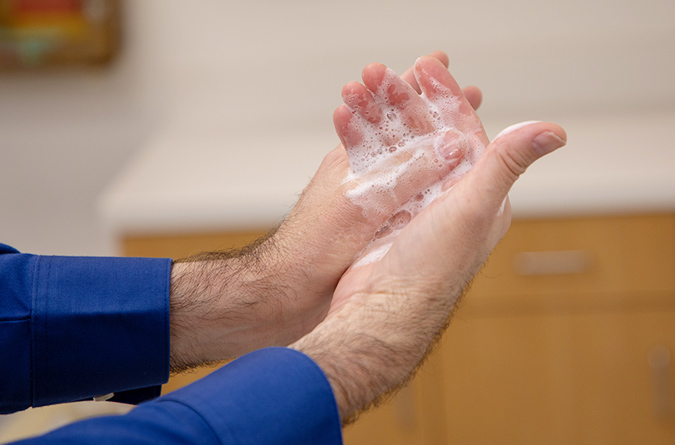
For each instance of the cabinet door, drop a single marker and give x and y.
(596, 378)
(558, 350)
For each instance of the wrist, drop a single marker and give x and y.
(226, 304)
(372, 344)
(192, 312)
(366, 352)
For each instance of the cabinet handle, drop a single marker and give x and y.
(660, 367)
(554, 262)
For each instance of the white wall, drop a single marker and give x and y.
(268, 65)
(63, 137)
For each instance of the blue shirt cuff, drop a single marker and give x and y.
(99, 326)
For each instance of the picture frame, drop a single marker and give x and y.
(36, 34)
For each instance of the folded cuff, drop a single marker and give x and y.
(99, 326)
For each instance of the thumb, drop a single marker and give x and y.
(509, 155)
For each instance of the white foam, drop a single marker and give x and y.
(514, 127)
(374, 255)
(400, 157)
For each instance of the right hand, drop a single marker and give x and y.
(225, 305)
(386, 314)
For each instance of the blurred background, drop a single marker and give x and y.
(166, 127)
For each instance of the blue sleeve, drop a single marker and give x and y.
(72, 328)
(271, 396)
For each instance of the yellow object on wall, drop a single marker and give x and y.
(37, 33)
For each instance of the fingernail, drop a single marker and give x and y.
(452, 145)
(547, 141)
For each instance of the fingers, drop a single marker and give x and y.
(482, 193)
(466, 222)
(434, 79)
(359, 99)
(394, 93)
(408, 173)
(441, 56)
(409, 76)
(474, 95)
(389, 98)
(438, 85)
(347, 127)
(509, 155)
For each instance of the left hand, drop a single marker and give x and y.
(277, 291)
(386, 314)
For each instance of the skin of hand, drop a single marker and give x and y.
(386, 315)
(225, 304)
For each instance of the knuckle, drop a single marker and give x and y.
(514, 163)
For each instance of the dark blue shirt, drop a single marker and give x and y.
(72, 328)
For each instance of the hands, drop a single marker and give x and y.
(380, 312)
(226, 304)
(401, 142)
(386, 314)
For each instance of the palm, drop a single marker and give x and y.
(328, 228)
(439, 130)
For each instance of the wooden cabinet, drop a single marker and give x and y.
(595, 378)
(566, 337)
(572, 348)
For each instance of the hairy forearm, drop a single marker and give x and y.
(372, 348)
(225, 304)
(206, 311)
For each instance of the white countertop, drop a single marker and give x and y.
(612, 164)
(606, 75)
(188, 179)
